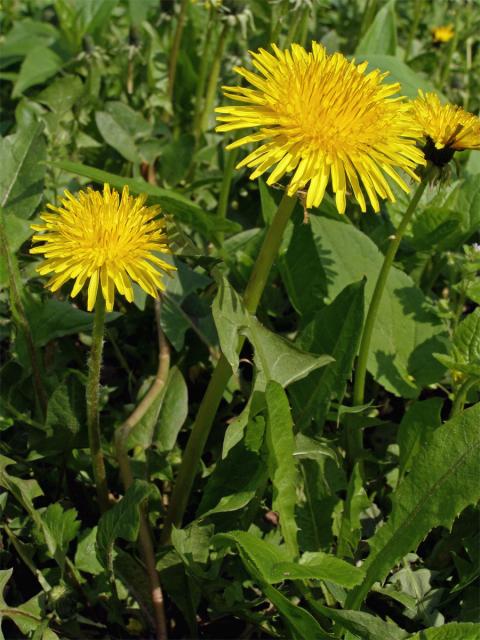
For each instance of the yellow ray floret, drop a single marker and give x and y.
(446, 125)
(443, 33)
(103, 239)
(324, 120)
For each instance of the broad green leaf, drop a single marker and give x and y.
(22, 157)
(192, 543)
(381, 37)
(26, 34)
(85, 556)
(299, 622)
(122, 521)
(117, 137)
(52, 318)
(40, 64)
(408, 329)
(183, 209)
(16, 232)
(279, 359)
(318, 566)
(141, 434)
(60, 528)
(281, 463)
(175, 158)
(466, 340)
(61, 94)
(324, 334)
(350, 528)
(442, 482)
(173, 412)
(65, 419)
(238, 475)
(450, 631)
(416, 427)
(364, 625)
(275, 358)
(398, 71)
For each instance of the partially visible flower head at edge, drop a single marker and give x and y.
(443, 33)
(323, 118)
(104, 239)
(446, 128)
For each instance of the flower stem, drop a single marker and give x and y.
(230, 161)
(93, 419)
(417, 14)
(354, 436)
(177, 38)
(213, 79)
(222, 373)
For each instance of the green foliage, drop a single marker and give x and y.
(285, 534)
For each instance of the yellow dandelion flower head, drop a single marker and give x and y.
(108, 240)
(443, 33)
(446, 128)
(324, 119)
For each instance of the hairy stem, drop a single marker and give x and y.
(93, 418)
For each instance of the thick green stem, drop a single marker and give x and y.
(230, 161)
(222, 373)
(452, 45)
(93, 419)
(213, 79)
(177, 39)
(355, 435)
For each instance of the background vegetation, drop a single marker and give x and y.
(124, 91)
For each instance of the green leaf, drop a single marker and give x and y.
(22, 156)
(183, 209)
(443, 481)
(364, 625)
(416, 428)
(275, 358)
(398, 71)
(466, 341)
(122, 521)
(237, 477)
(26, 34)
(176, 157)
(65, 418)
(381, 37)
(192, 543)
(408, 329)
(117, 137)
(450, 631)
(62, 94)
(40, 64)
(350, 528)
(319, 566)
(85, 556)
(60, 529)
(324, 334)
(173, 412)
(281, 463)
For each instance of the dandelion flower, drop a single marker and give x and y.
(446, 128)
(108, 240)
(324, 119)
(442, 34)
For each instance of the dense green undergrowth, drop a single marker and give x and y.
(285, 535)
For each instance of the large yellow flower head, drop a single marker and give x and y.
(107, 240)
(446, 128)
(323, 118)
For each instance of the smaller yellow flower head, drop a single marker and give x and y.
(447, 128)
(443, 33)
(324, 120)
(103, 238)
